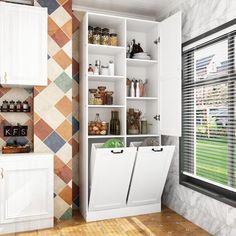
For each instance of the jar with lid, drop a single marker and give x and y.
(115, 123)
(18, 106)
(109, 97)
(97, 99)
(97, 35)
(105, 70)
(25, 106)
(105, 38)
(113, 39)
(90, 34)
(5, 106)
(90, 69)
(92, 93)
(12, 106)
(102, 93)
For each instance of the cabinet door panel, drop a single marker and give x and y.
(25, 44)
(170, 75)
(26, 190)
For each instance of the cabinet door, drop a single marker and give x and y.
(26, 189)
(170, 53)
(25, 45)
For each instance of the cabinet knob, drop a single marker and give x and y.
(5, 77)
(1, 173)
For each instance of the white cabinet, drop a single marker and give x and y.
(26, 192)
(23, 44)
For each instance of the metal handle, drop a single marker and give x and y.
(157, 150)
(1, 173)
(119, 152)
(5, 77)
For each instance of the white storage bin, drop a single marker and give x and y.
(110, 175)
(150, 173)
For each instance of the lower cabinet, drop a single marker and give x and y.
(127, 180)
(26, 192)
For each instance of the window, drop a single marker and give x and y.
(208, 145)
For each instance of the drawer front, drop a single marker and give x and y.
(149, 176)
(111, 176)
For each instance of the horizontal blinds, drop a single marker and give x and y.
(209, 111)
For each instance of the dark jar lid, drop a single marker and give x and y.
(90, 27)
(113, 35)
(105, 30)
(98, 29)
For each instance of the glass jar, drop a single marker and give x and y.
(92, 93)
(97, 35)
(90, 34)
(18, 106)
(109, 97)
(5, 106)
(97, 99)
(113, 40)
(115, 123)
(25, 106)
(98, 127)
(12, 106)
(90, 69)
(102, 93)
(104, 70)
(105, 39)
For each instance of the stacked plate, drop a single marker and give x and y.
(142, 56)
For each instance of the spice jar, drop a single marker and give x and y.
(12, 106)
(102, 93)
(90, 69)
(5, 106)
(25, 106)
(18, 106)
(104, 70)
(113, 39)
(109, 97)
(97, 99)
(92, 93)
(90, 34)
(97, 35)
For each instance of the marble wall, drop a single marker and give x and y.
(218, 218)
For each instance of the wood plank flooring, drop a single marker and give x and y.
(166, 223)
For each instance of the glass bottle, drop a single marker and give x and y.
(115, 123)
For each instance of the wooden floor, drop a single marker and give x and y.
(165, 223)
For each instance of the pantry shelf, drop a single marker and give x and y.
(104, 49)
(139, 62)
(142, 135)
(106, 106)
(105, 78)
(105, 136)
(141, 98)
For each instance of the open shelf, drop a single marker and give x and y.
(141, 98)
(104, 49)
(105, 78)
(139, 62)
(105, 136)
(141, 135)
(106, 106)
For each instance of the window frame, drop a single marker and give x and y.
(214, 191)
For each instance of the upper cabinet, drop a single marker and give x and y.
(23, 44)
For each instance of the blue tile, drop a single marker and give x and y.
(29, 90)
(54, 142)
(76, 78)
(67, 215)
(76, 201)
(75, 125)
(52, 5)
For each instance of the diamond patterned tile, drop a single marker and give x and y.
(68, 7)
(52, 26)
(53, 48)
(52, 5)
(60, 207)
(40, 147)
(75, 147)
(64, 106)
(75, 67)
(60, 16)
(36, 117)
(62, 59)
(75, 125)
(54, 142)
(75, 23)
(42, 129)
(64, 82)
(65, 130)
(58, 164)
(67, 215)
(67, 28)
(59, 184)
(66, 195)
(65, 153)
(62, 1)
(60, 37)
(67, 48)
(65, 174)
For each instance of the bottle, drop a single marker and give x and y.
(137, 92)
(97, 69)
(132, 89)
(143, 125)
(90, 69)
(115, 123)
(111, 68)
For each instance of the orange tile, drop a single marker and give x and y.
(65, 130)
(75, 23)
(64, 106)
(65, 173)
(75, 147)
(52, 26)
(58, 164)
(67, 28)
(60, 38)
(62, 59)
(66, 195)
(36, 117)
(42, 129)
(62, 1)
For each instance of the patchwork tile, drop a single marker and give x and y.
(60, 37)
(66, 195)
(58, 164)
(65, 174)
(54, 142)
(40, 146)
(62, 1)
(53, 48)
(54, 70)
(68, 7)
(67, 215)
(59, 184)
(67, 28)
(65, 153)
(75, 147)
(52, 5)
(67, 48)
(64, 106)
(75, 67)
(60, 16)
(65, 130)
(60, 207)
(64, 82)
(52, 26)
(75, 23)
(75, 125)
(36, 117)
(62, 59)
(42, 129)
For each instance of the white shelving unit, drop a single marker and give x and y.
(160, 80)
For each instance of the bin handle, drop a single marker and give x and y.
(157, 150)
(119, 152)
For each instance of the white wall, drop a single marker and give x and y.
(219, 219)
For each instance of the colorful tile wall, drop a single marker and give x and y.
(53, 104)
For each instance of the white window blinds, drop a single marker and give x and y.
(209, 111)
